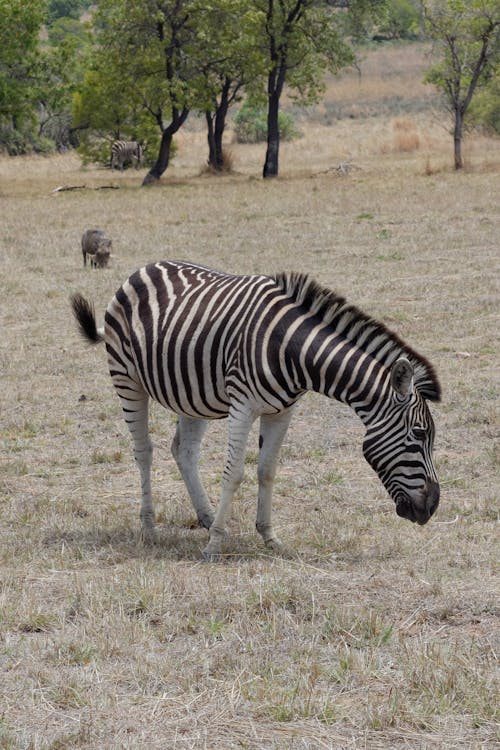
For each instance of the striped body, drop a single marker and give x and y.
(123, 152)
(210, 345)
(196, 338)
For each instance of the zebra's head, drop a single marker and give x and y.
(399, 447)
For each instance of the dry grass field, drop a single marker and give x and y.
(367, 632)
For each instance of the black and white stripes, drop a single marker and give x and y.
(210, 345)
(123, 152)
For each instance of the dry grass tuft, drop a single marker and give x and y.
(367, 632)
(406, 137)
(431, 169)
(227, 165)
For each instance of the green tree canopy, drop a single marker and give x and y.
(20, 22)
(142, 62)
(66, 8)
(466, 35)
(302, 40)
(230, 60)
(402, 20)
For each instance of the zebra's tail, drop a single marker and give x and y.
(84, 313)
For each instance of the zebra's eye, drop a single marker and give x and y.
(419, 433)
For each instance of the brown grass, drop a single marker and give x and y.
(367, 632)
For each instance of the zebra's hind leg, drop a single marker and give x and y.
(186, 451)
(135, 411)
(273, 428)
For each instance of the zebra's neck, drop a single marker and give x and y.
(338, 368)
(344, 353)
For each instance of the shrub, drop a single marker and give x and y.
(251, 125)
(23, 141)
(485, 107)
(403, 20)
(406, 137)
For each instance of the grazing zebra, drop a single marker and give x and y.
(210, 345)
(126, 151)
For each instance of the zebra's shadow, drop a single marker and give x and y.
(117, 543)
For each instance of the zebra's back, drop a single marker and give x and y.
(177, 329)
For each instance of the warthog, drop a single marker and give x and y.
(97, 246)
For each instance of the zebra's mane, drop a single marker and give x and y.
(359, 328)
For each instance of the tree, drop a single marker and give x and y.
(58, 72)
(143, 50)
(61, 73)
(109, 106)
(230, 61)
(303, 40)
(466, 35)
(20, 23)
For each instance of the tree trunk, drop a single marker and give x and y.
(220, 124)
(163, 159)
(216, 122)
(275, 85)
(273, 135)
(212, 161)
(457, 139)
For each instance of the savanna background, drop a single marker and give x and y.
(367, 632)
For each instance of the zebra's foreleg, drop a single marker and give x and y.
(239, 425)
(186, 451)
(273, 428)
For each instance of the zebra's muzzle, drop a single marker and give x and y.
(421, 508)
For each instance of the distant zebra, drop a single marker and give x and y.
(210, 345)
(123, 152)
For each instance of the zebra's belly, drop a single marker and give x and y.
(188, 390)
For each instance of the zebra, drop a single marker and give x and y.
(126, 151)
(211, 345)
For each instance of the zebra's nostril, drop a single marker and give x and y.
(432, 490)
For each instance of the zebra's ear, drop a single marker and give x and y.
(402, 376)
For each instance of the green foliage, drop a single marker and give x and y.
(251, 125)
(139, 82)
(106, 109)
(64, 29)
(66, 8)
(20, 22)
(403, 20)
(466, 34)
(24, 140)
(467, 39)
(361, 18)
(229, 57)
(36, 81)
(485, 107)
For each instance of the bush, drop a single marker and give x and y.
(251, 125)
(403, 20)
(485, 107)
(25, 141)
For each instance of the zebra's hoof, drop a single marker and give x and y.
(210, 556)
(274, 545)
(148, 537)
